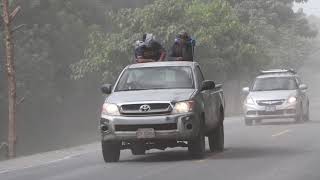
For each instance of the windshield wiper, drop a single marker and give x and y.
(270, 90)
(133, 89)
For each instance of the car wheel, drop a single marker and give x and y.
(197, 146)
(111, 151)
(138, 149)
(248, 122)
(300, 115)
(216, 139)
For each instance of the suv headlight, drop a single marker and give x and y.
(292, 100)
(110, 109)
(249, 101)
(183, 107)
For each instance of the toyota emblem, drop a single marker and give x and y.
(145, 108)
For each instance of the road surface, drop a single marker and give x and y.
(277, 150)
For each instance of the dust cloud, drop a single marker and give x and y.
(75, 121)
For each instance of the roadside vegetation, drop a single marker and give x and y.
(67, 48)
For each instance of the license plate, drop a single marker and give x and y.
(146, 133)
(271, 109)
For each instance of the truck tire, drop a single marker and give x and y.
(197, 146)
(216, 139)
(111, 151)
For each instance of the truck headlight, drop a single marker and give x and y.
(292, 100)
(110, 109)
(183, 107)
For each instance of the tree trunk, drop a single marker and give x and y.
(10, 69)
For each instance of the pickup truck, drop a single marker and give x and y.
(161, 105)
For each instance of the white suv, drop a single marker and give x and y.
(276, 94)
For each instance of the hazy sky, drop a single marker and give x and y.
(312, 7)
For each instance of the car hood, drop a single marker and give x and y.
(150, 95)
(272, 95)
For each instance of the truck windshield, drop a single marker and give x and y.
(274, 83)
(156, 78)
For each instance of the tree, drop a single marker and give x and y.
(54, 36)
(283, 33)
(235, 38)
(213, 23)
(11, 75)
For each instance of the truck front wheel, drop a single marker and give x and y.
(111, 151)
(216, 139)
(197, 146)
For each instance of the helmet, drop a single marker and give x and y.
(183, 35)
(139, 43)
(149, 39)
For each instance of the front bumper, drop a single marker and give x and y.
(110, 131)
(256, 112)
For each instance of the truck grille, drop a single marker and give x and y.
(270, 102)
(157, 127)
(145, 109)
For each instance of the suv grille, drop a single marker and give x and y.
(144, 109)
(265, 113)
(270, 102)
(158, 127)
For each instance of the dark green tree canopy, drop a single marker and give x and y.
(223, 41)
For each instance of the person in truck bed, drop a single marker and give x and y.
(149, 50)
(183, 48)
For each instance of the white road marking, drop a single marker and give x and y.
(3, 171)
(58, 160)
(281, 133)
(41, 164)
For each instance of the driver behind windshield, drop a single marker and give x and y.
(270, 84)
(156, 78)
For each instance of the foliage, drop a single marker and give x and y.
(55, 36)
(223, 42)
(234, 38)
(283, 33)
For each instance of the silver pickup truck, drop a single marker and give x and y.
(161, 105)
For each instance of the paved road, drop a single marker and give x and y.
(273, 150)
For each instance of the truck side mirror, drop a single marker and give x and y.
(246, 90)
(207, 85)
(106, 89)
(303, 87)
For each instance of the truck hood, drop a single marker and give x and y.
(150, 95)
(272, 95)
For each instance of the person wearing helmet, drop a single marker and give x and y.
(150, 50)
(139, 47)
(183, 48)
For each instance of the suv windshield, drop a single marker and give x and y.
(156, 78)
(274, 83)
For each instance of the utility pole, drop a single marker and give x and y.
(11, 75)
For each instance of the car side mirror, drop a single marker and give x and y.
(207, 85)
(303, 87)
(106, 89)
(246, 90)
